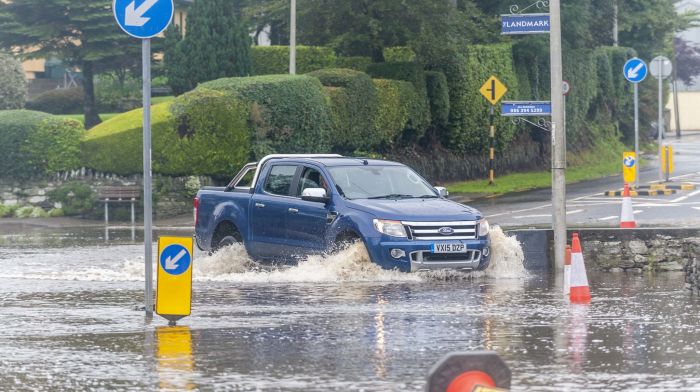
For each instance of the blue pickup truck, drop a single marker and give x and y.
(286, 207)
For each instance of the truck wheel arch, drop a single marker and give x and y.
(225, 229)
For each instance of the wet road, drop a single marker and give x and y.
(69, 321)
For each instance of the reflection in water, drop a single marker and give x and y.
(380, 342)
(175, 363)
(577, 332)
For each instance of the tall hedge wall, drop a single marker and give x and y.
(37, 144)
(289, 113)
(274, 60)
(202, 132)
(401, 113)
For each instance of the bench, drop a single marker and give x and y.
(119, 194)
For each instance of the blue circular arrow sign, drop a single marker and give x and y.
(635, 70)
(143, 18)
(629, 162)
(175, 259)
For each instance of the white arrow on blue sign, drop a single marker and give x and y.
(175, 259)
(143, 18)
(635, 70)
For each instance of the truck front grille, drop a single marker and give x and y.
(441, 231)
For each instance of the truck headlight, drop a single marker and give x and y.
(390, 228)
(484, 228)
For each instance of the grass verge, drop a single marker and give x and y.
(601, 161)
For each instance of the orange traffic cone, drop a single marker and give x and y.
(580, 292)
(627, 217)
(567, 271)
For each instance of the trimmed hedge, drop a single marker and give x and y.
(36, 144)
(289, 113)
(358, 63)
(399, 54)
(274, 60)
(439, 98)
(202, 132)
(353, 101)
(59, 101)
(400, 113)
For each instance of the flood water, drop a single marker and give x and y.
(70, 321)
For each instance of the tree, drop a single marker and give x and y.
(216, 45)
(687, 61)
(82, 33)
(13, 83)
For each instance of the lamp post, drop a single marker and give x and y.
(293, 39)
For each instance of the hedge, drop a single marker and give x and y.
(202, 132)
(289, 113)
(274, 60)
(37, 144)
(400, 112)
(59, 101)
(353, 101)
(399, 54)
(358, 63)
(439, 98)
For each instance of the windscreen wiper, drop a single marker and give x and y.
(392, 196)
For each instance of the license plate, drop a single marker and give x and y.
(449, 248)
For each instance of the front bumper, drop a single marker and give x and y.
(418, 255)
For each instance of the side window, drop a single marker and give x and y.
(279, 181)
(247, 180)
(311, 178)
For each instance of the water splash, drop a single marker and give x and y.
(507, 256)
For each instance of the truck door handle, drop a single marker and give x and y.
(259, 205)
(293, 210)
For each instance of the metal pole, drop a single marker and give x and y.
(293, 39)
(615, 23)
(636, 134)
(147, 186)
(558, 139)
(676, 109)
(660, 126)
(492, 145)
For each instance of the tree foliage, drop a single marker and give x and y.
(215, 46)
(13, 83)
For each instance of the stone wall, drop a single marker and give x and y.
(172, 195)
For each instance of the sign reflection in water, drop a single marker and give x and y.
(175, 362)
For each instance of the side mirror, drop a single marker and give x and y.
(442, 191)
(317, 195)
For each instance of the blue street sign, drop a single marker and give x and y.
(512, 24)
(629, 161)
(524, 109)
(175, 259)
(143, 18)
(635, 70)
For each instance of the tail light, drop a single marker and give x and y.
(196, 207)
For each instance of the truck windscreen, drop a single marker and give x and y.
(380, 182)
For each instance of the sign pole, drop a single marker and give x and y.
(558, 140)
(636, 133)
(660, 126)
(147, 186)
(492, 142)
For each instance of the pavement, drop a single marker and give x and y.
(587, 205)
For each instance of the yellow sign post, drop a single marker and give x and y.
(667, 161)
(493, 90)
(174, 286)
(629, 167)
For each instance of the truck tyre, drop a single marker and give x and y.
(227, 241)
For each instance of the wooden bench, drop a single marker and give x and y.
(119, 194)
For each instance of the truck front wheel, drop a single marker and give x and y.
(226, 235)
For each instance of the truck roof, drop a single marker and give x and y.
(338, 161)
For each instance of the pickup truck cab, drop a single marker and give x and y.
(287, 207)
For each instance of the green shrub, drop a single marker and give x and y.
(358, 63)
(56, 213)
(581, 72)
(30, 212)
(76, 199)
(399, 111)
(115, 96)
(7, 211)
(439, 98)
(399, 54)
(202, 132)
(59, 101)
(13, 83)
(353, 101)
(274, 60)
(289, 113)
(36, 144)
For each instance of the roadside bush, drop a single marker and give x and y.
(399, 54)
(399, 112)
(7, 211)
(31, 212)
(580, 70)
(115, 96)
(439, 98)
(202, 132)
(36, 144)
(358, 63)
(59, 101)
(77, 199)
(274, 60)
(289, 113)
(353, 101)
(13, 83)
